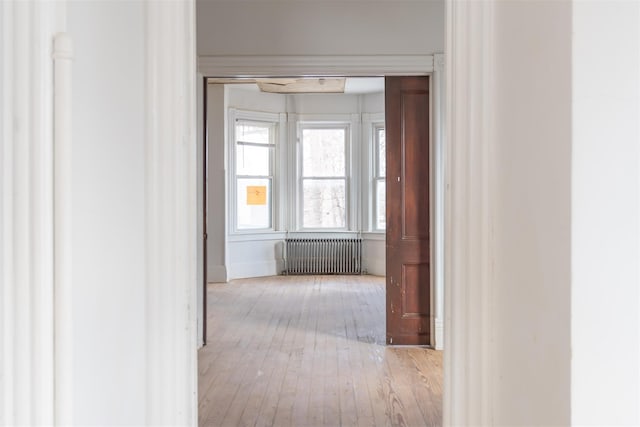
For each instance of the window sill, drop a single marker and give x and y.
(258, 235)
(323, 234)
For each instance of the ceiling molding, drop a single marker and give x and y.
(323, 65)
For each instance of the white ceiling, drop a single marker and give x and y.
(353, 85)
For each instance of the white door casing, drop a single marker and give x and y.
(171, 214)
(367, 65)
(27, 260)
(467, 365)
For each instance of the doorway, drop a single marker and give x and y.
(430, 183)
(429, 222)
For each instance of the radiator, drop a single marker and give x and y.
(323, 256)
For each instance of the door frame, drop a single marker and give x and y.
(369, 65)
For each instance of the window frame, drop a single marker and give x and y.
(274, 123)
(336, 122)
(376, 176)
(370, 121)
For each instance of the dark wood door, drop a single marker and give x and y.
(407, 191)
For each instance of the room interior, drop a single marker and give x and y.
(260, 250)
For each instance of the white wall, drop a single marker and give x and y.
(605, 329)
(255, 258)
(565, 335)
(270, 27)
(323, 104)
(108, 212)
(531, 208)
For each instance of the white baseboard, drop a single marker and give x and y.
(255, 269)
(216, 274)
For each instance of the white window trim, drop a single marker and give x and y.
(351, 123)
(277, 195)
(370, 121)
(373, 183)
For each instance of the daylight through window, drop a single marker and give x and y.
(324, 177)
(380, 219)
(254, 152)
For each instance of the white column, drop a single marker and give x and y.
(26, 214)
(171, 239)
(62, 55)
(438, 191)
(467, 213)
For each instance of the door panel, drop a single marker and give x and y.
(408, 246)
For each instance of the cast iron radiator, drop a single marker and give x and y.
(323, 256)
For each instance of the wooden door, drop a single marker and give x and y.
(407, 192)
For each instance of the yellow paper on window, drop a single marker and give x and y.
(256, 195)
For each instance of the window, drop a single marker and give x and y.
(379, 173)
(323, 176)
(254, 174)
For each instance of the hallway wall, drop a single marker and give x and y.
(531, 204)
(294, 27)
(605, 230)
(108, 212)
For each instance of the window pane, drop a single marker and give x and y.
(323, 152)
(382, 164)
(252, 160)
(324, 203)
(252, 132)
(254, 203)
(381, 215)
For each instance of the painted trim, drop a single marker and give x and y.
(468, 257)
(438, 197)
(170, 214)
(27, 213)
(369, 151)
(439, 333)
(254, 237)
(63, 219)
(301, 65)
(274, 121)
(329, 234)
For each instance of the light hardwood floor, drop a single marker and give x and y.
(309, 351)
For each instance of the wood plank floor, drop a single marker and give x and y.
(309, 351)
